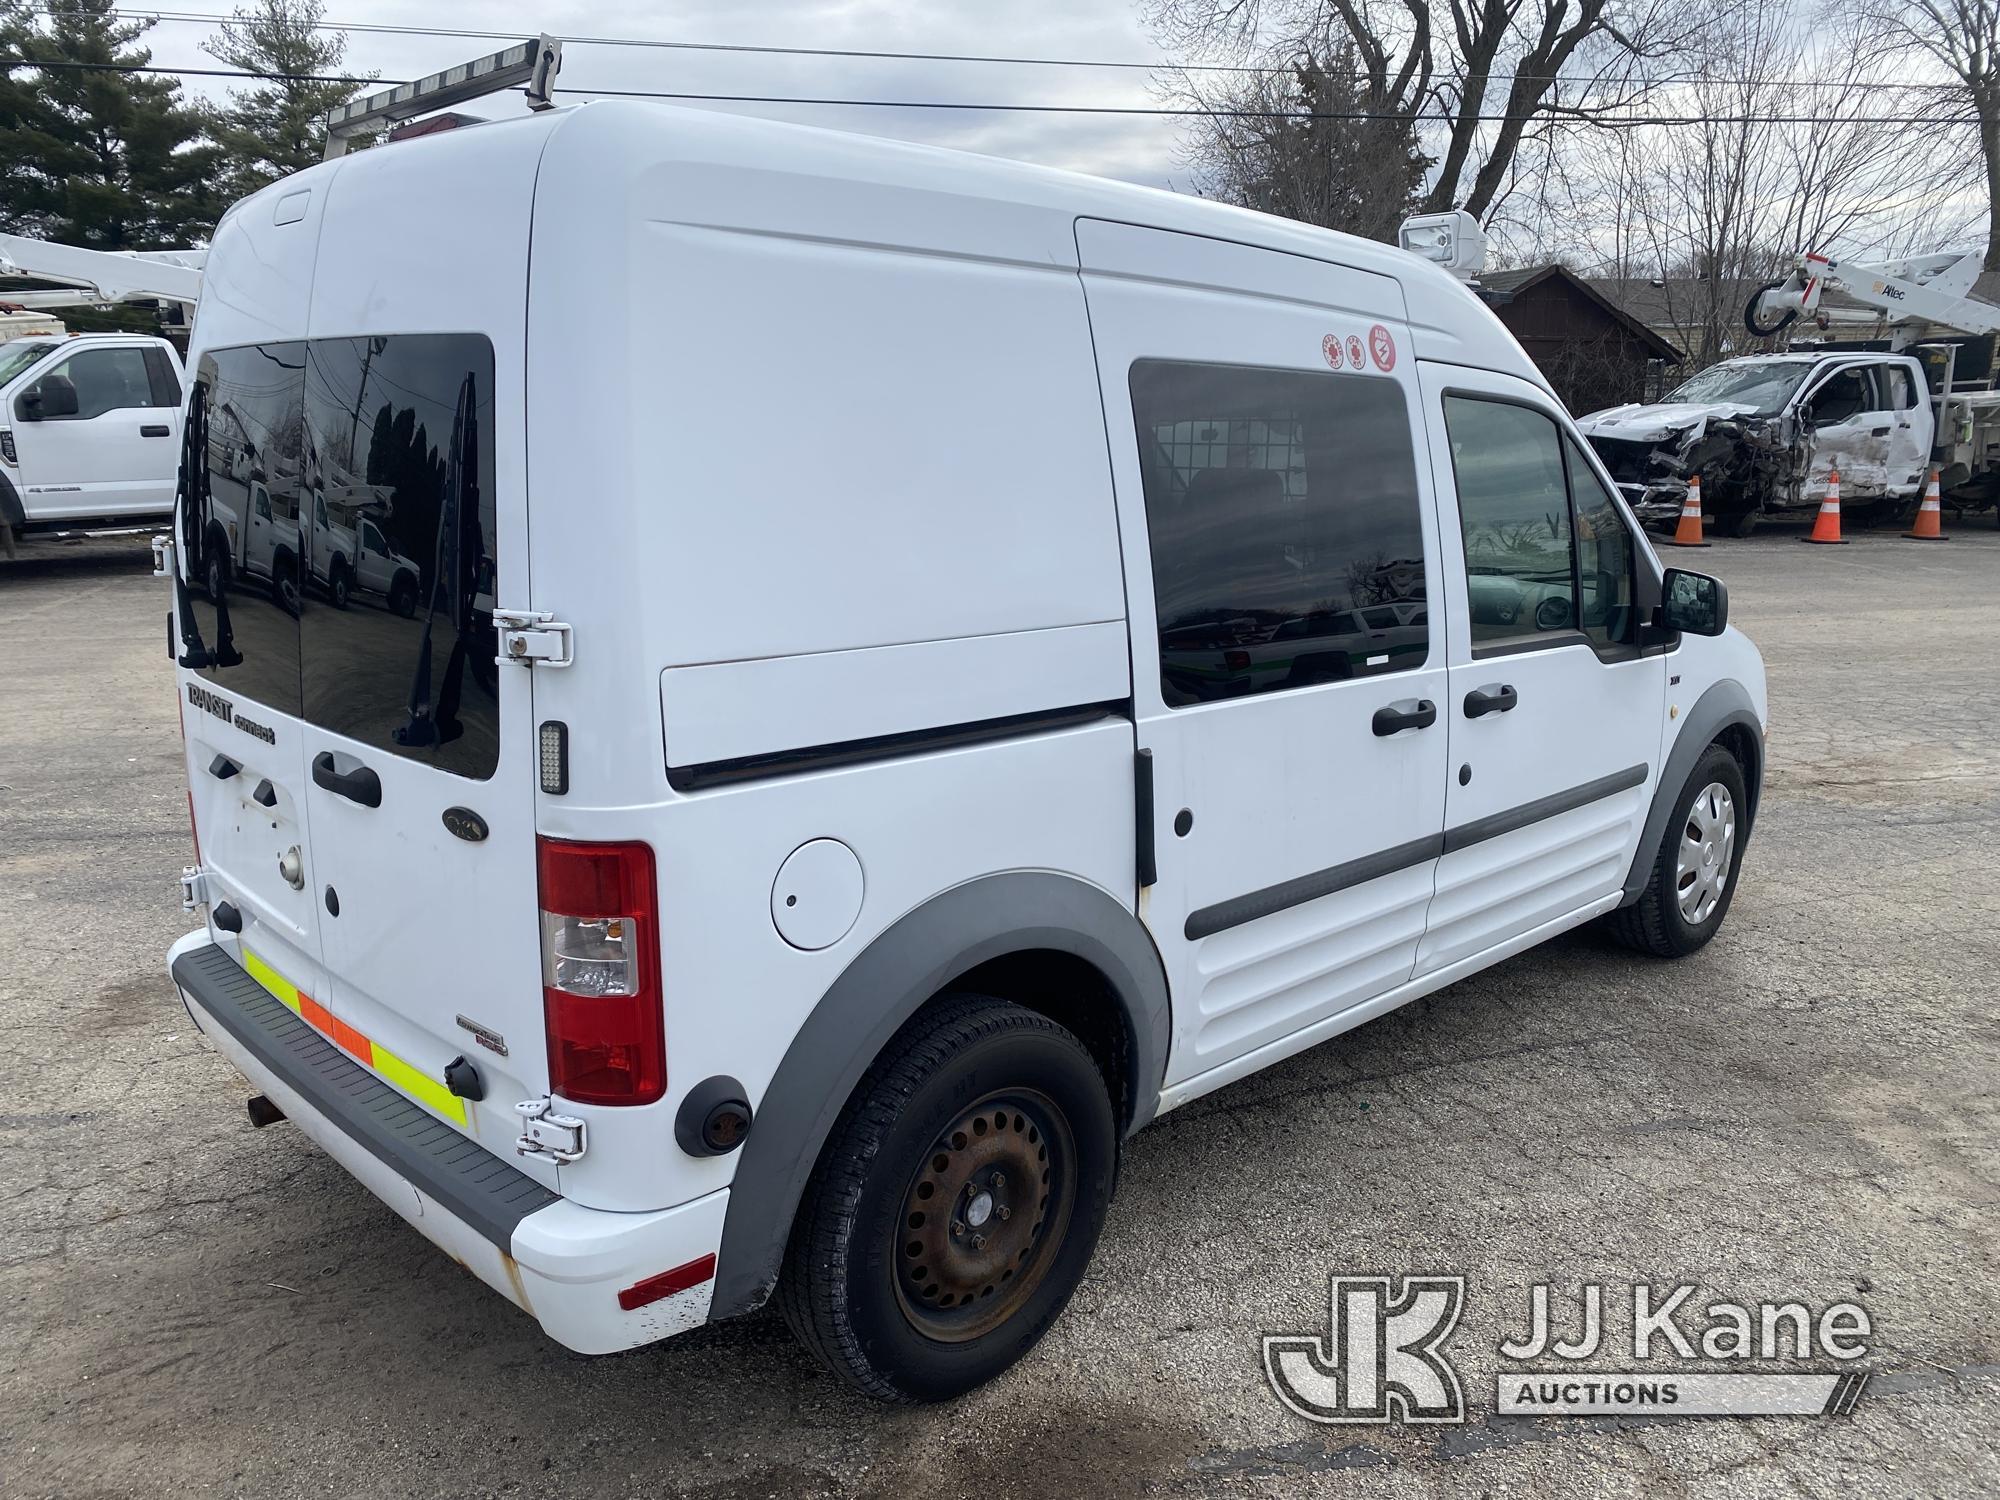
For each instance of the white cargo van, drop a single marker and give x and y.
(89, 426)
(918, 665)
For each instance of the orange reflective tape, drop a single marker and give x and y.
(336, 1030)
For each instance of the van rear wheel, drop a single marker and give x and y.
(956, 1204)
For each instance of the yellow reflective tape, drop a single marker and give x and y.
(271, 979)
(425, 1090)
(393, 1070)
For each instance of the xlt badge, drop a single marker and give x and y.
(486, 1036)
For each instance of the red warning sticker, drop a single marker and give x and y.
(1330, 347)
(1354, 355)
(1383, 347)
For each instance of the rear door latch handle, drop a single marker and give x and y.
(1498, 699)
(358, 785)
(1417, 713)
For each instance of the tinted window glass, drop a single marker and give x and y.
(1513, 507)
(399, 641)
(1841, 399)
(166, 390)
(1604, 556)
(240, 527)
(1286, 536)
(106, 380)
(1902, 390)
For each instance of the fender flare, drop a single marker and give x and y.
(1723, 705)
(12, 512)
(912, 960)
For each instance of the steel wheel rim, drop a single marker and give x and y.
(984, 1214)
(1707, 849)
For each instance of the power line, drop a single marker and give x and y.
(1607, 121)
(880, 55)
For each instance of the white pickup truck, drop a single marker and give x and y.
(1765, 431)
(89, 433)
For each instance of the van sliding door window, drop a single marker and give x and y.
(1286, 532)
(240, 528)
(399, 640)
(1513, 509)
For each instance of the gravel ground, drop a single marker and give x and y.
(1806, 1109)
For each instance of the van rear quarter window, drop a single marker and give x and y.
(398, 644)
(1285, 526)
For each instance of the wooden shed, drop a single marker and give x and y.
(1593, 352)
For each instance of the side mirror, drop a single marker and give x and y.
(1693, 602)
(58, 396)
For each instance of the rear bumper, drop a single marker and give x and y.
(562, 1263)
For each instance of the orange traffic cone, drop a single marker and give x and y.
(1826, 527)
(1930, 516)
(1688, 533)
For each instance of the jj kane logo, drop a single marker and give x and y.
(1383, 1359)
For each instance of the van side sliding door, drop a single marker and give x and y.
(1554, 712)
(1287, 663)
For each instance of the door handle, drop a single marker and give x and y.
(358, 785)
(1420, 713)
(1494, 700)
(1878, 432)
(155, 429)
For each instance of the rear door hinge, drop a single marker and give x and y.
(194, 887)
(534, 638)
(163, 557)
(547, 1134)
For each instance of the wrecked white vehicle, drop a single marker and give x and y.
(1765, 431)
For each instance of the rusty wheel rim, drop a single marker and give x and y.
(984, 1215)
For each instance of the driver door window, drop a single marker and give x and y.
(1547, 550)
(1513, 505)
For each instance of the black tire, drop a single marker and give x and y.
(1655, 923)
(1736, 524)
(403, 595)
(972, 1085)
(217, 579)
(339, 584)
(285, 582)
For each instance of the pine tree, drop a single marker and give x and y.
(279, 127)
(96, 155)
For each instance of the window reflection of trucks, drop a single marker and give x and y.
(350, 552)
(1765, 432)
(252, 537)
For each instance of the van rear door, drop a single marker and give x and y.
(237, 628)
(418, 743)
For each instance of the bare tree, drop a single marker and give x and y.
(1963, 36)
(1308, 147)
(1479, 76)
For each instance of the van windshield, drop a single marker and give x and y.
(1763, 387)
(17, 356)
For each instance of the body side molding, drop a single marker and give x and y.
(917, 956)
(1723, 705)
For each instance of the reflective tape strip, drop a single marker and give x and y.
(378, 1059)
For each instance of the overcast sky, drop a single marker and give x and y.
(1137, 149)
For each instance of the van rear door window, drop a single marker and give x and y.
(398, 637)
(1286, 532)
(240, 524)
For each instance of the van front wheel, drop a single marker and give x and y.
(1693, 878)
(956, 1204)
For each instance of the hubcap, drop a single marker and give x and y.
(1708, 843)
(984, 1214)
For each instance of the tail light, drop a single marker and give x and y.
(601, 997)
